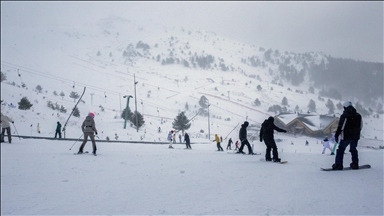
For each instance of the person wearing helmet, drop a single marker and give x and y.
(266, 134)
(243, 139)
(89, 128)
(349, 128)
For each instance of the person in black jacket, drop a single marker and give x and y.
(266, 134)
(243, 138)
(349, 127)
(187, 141)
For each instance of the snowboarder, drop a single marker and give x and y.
(217, 140)
(187, 141)
(169, 138)
(349, 127)
(89, 128)
(326, 145)
(243, 138)
(266, 134)
(229, 144)
(6, 127)
(58, 130)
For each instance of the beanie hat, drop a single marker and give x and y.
(347, 104)
(91, 114)
(246, 123)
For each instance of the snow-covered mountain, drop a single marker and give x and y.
(174, 68)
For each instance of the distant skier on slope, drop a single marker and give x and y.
(217, 140)
(266, 134)
(187, 141)
(5, 126)
(169, 138)
(326, 145)
(89, 128)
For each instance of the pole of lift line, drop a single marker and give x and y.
(126, 110)
(137, 125)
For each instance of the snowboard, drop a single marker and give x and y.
(281, 162)
(232, 152)
(365, 166)
(86, 152)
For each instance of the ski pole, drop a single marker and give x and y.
(16, 131)
(76, 141)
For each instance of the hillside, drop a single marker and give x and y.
(174, 68)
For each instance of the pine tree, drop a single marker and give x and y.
(284, 101)
(181, 122)
(39, 88)
(76, 112)
(330, 106)
(130, 114)
(24, 104)
(312, 106)
(74, 95)
(140, 119)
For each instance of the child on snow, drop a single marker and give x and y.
(326, 145)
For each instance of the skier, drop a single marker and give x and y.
(58, 130)
(217, 140)
(229, 144)
(350, 125)
(38, 127)
(306, 142)
(237, 145)
(89, 128)
(266, 134)
(326, 145)
(6, 127)
(187, 141)
(169, 138)
(174, 137)
(243, 138)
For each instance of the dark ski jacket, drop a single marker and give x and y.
(266, 131)
(243, 132)
(350, 124)
(186, 139)
(58, 127)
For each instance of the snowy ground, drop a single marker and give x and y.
(44, 177)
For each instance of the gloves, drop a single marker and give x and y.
(337, 137)
(96, 132)
(285, 131)
(13, 122)
(261, 140)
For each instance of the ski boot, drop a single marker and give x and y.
(354, 165)
(277, 160)
(268, 159)
(337, 167)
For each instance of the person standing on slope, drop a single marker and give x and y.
(89, 128)
(243, 138)
(266, 134)
(169, 138)
(6, 126)
(326, 145)
(349, 127)
(229, 144)
(58, 130)
(217, 140)
(187, 141)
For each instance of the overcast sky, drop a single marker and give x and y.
(340, 29)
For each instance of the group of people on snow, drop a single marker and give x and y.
(347, 134)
